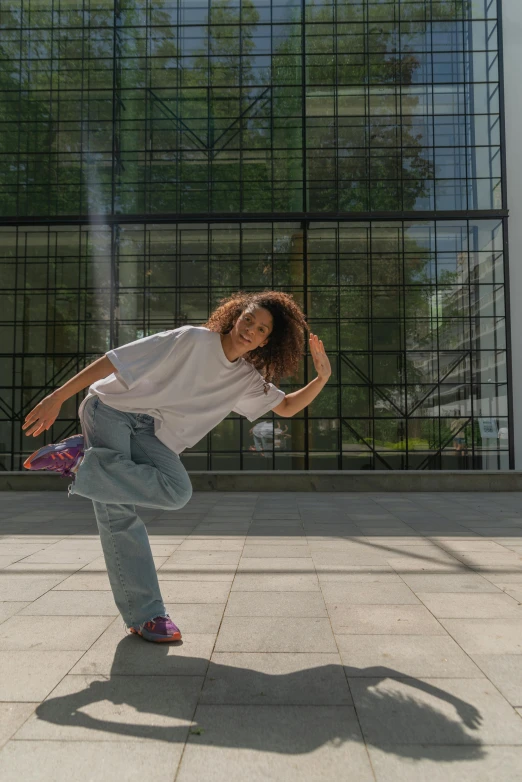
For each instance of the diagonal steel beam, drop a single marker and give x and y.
(238, 130)
(438, 382)
(367, 380)
(256, 100)
(424, 464)
(211, 149)
(177, 119)
(372, 449)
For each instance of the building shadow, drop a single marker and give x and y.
(386, 717)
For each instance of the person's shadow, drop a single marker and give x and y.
(390, 718)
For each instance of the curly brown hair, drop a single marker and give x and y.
(281, 356)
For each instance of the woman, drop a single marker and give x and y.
(148, 401)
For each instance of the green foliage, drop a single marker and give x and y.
(207, 124)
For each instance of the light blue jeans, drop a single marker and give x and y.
(126, 465)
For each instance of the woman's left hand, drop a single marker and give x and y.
(320, 359)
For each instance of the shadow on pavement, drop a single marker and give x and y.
(392, 721)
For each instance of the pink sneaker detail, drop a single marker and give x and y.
(61, 457)
(158, 630)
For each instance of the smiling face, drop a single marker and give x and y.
(252, 329)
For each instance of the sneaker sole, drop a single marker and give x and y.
(45, 449)
(158, 640)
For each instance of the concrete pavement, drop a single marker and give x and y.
(325, 636)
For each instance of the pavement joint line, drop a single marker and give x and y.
(501, 512)
(368, 756)
(198, 700)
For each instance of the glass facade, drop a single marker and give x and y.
(157, 155)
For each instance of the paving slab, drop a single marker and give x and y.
(477, 606)
(196, 618)
(74, 632)
(496, 576)
(513, 590)
(56, 557)
(383, 620)
(276, 604)
(9, 609)
(21, 549)
(203, 557)
(217, 544)
(280, 551)
(45, 540)
(305, 617)
(162, 549)
(447, 582)
(72, 603)
(352, 574)
(368, 593)
(178, 571)
(398, 538)
(406, 655)
(486, 636)
(88, 761)
(194, 591)
(116, 652)
(99, 563)
(470, 545)
(63, 569)
(473, 763)
(288, 743)
(94, 708)
(16, 587)
(426, 565)
(275, 582)
(318, 532)
(434, 711)
(347, 557)
(260, 634)
(85, 580)
(82, 542)
(12, 717)
(270, 539)
(30, 675)
(298, 564)
(277, 678)
(505, 672)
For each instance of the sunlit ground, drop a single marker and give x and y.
(325, 636)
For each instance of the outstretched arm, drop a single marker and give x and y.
(46, 412)
(295, 402)
(470, 716)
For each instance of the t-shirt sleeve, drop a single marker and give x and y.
(255, 402)
(145, 358)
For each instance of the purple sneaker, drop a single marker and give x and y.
(62, 457)
(158, 630)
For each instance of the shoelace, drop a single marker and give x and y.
(164, 616)
(65, 472)
(59, 468)
(55, 468)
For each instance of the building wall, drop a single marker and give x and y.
(512, 35)
(158, 156)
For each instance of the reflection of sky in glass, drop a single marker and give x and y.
(418, 309)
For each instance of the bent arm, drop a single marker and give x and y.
(95, 371)
(296, 401)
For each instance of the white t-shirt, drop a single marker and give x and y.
(184, 380)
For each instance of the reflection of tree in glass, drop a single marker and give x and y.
(225, 127)
(363, 152)
(226, 135)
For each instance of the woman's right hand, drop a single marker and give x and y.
(43, 416)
